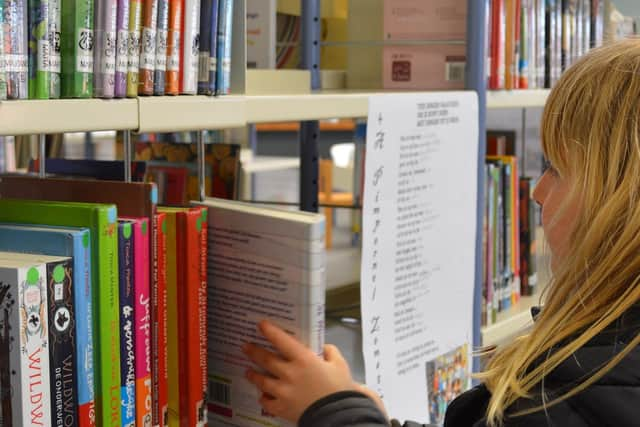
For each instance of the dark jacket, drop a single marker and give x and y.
(613, 400)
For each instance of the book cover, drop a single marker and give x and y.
(104, 48)
(498, 34)
(225, 33)
(510, 40)
(172, 184)
(133, 64)
(201, 413)
(148, 47)
(161, 47)
(76, 40)
(101, 220)
(16, 41)
(128, 337)
(24, 340)
(206, 7)
(122, 49)
(3, 62)
(75, 243)
(39, 49)
(174, 43)
(55, 21)
(188, 74)
(159, 368)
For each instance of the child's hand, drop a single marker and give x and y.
(299, 377)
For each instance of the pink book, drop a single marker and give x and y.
(425, 20)
(142, 321)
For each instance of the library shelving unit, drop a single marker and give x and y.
(242, 108)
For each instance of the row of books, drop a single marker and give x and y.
(116, 311)
(531, 42)
(509, 232)
(114, 48)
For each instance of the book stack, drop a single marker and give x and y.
(114, 48)
(531, 42)
(263, 263)
(509, 258)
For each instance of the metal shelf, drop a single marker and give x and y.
(517, 98)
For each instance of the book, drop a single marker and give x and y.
(148, 47)
(159, 367)
(75, 243)
(161, 47)
(104, 48)
(39, 49)
(174, 43)
(127, 322)
(260, 283)
(498, 34)
(76, 40)
(108, 170)
(122, 49)
(204, 62)
(223, 62)
(101, 220)
(16, 41)
(201, 413)
(190, 47)
(135, 28)
(24, 341)
(55, 22)
(3, 54)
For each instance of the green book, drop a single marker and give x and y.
(55, 22)
(77, 48)
(101, 219)
(39, 49)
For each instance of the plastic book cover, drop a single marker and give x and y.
(16, 41)
(148, 47)
(24, 342)
(101, 220)
(3, 60)
(213, 54)
(39, 49)
(206, 26)
(159, 368)
(174, 43)
(75, 243)
(105, 39)
(135, 28)
(76, 40)
(127, 270)
(122, 48)
(55, 21)
(190, 47)
(225, 32)
(161, 48)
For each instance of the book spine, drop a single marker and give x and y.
(201, 402)
(122, 49)
(515, 231)
(486, 238)
(524, 235)
(174, 41)
(225, 19)
(39, 49)
(159, 335)
(105, 39)
(507, 227)
(133, 67)
(205, 46)
(213, 55)
(548, 44)
(55, 21)
(77, 49)
(516, 44)
(510, 36)
(161, 47)
(558, 41)
(497, 45)
(142, 314)
(128, 269)
(190, 46)
(148, 47)
(173, 352)
(540, 42)
(62, 343)
(84, 333)
(16, 47)
(532, 260)
(495, 215)
(3, 57)
(525, 45)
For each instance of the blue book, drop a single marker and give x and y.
(74, 243)
(225, 31)
(127, 331)
(208, 50)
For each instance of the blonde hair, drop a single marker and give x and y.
(590, 133)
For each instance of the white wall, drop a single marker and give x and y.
(628, 7)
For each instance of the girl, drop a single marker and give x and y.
(580, 364)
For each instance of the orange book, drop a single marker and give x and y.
(159, 368)
(172, 76)
(510, 39)
(148, 47)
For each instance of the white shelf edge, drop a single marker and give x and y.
(316, 106)
(517, 98)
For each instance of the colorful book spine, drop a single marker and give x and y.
(497, 45)
(205, 46)
(77, 49)
(201, 405)
(104, 49)
(39, 49)
(213, 55)
(174, 41)
(225, 30)
(3, 58)
(126, 245)
(55, 21)
(16, 48)
(148, 47)
(24, 332)
(135, 24)
(62, 343)
(190, 46)
(540, 51)
(161, 48)
(122, 50)
(142, 314)
(159, 332)
(525, 45)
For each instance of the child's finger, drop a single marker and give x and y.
(267, 360)
(265, 384)
(288, 346)
(333, 355)
(271, 405)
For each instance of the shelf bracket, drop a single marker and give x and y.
(42, 155)
(201, 165)
(127, 155)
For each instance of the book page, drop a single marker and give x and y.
(418, 257)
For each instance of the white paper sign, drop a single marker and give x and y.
(418, 259)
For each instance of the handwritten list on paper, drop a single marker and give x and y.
(418, 255)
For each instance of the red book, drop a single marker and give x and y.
(202, 314)
(516, 46)
(498, 28)
(159, 367)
